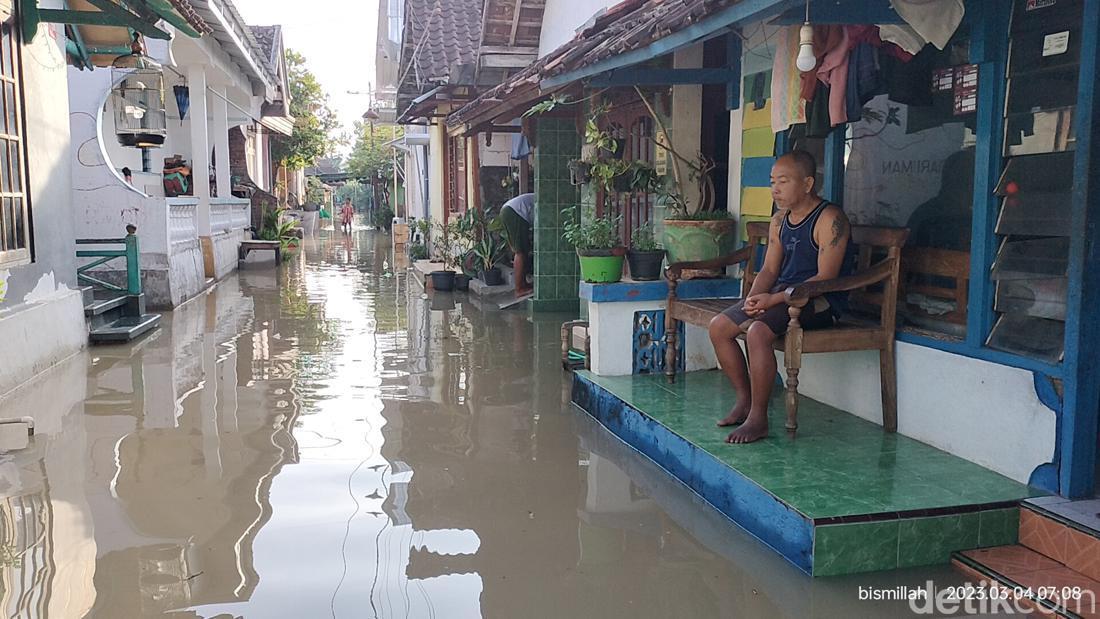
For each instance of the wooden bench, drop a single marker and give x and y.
(257, 245)
(852, 333)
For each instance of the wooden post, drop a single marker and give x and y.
(793, 360)
(887, 361)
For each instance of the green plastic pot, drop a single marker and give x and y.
(601, 266)
(689, 240)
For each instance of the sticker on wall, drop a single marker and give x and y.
(1054, 44)
(660, 156)
(4, 284)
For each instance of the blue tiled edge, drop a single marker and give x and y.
(629, 291)
(785, 530)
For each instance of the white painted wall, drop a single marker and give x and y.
(499, 152)
(984, 412)
(41, 313)
(561, 19)
(436, 170)
(611, 327)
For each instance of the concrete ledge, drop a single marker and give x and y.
(627, 291)
(843, 497)
(39, 335)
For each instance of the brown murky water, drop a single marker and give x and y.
(328, 441)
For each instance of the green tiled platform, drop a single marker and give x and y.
(841, 497)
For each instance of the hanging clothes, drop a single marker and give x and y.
(788, 108)
(826, 39)
(933, 20)
(903, 36)
(521, 147)
(833, 71)
(864, 79)
(818, 124)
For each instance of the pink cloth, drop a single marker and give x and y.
(833, 71)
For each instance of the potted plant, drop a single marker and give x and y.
(444, 279)
(488, 253)
(692, 232)
(645, 255)
(598, 246)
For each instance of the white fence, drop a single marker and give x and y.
(229, 214)
(181, 220)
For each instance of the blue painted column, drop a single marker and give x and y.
(1082, 380)
(989, 50)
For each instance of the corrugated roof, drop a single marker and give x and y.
(187, 11)
(439, 35)
(629, 25)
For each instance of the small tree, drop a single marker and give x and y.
(315, 123)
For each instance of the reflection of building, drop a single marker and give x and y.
(184, 458)
(47, 548)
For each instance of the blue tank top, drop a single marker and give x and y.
(800, 252)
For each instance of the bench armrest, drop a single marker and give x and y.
(871, 275)
(675, 269)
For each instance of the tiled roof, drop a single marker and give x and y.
(268, 37)
(629, 25)
(439, 34)
(184, 8)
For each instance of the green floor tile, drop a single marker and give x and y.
(837, 465)
(930, 541)
(857, 547)
(999, 527)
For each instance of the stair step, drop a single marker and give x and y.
(87, 293)
(1065, 541)
(102, 306)
(1018, 567)
(125, 329)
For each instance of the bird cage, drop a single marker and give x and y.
(140, 119)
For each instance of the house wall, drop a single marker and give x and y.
(687, 101)
(41, 312)
(561, 18)
(437, 176)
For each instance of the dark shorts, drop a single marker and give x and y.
(817, 314)
(520, 234)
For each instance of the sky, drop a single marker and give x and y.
(337, 37)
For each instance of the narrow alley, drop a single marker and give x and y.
(326, 440)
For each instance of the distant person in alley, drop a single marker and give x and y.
(807, 241)
(518, 217)
(346, 214)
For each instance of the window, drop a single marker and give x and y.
(396, 16)
(1030, 272)
(14, 211)
(909, 161)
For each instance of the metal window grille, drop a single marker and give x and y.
(15, 246)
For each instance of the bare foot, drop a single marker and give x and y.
(751, 430)
(737, 415)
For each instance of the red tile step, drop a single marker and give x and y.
(1056, 565)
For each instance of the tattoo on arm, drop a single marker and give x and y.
(840, 231)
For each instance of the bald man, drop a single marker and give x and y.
(807, 241)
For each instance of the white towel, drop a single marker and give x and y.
(933, 20)
(903, 36)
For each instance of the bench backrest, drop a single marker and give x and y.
(927, 270)
(873, 242)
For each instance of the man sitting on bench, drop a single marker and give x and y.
(807, 241)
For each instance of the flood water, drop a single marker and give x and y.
(326, 440)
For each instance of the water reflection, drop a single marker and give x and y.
(319, 441)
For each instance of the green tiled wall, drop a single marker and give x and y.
(872, 546)
(556, 270)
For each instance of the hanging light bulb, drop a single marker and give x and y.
(806, 60)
